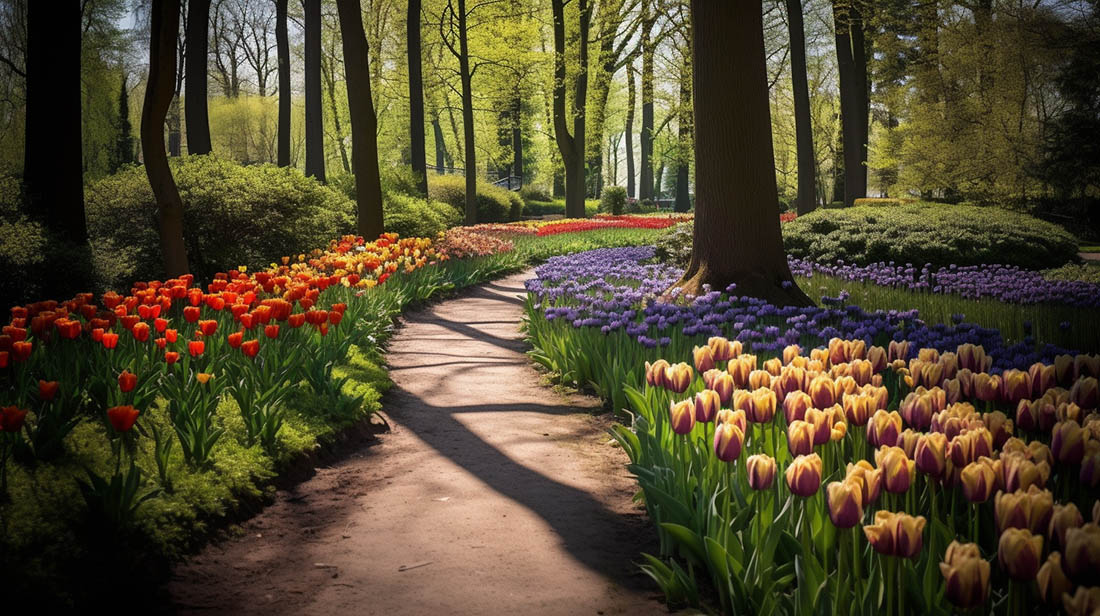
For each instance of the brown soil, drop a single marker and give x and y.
(490, 494)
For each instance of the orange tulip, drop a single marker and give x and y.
(196, 348)
(127, 381)
(110, 340)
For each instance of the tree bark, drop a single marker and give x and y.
(417, 149)
(684, 134)
(571, 146)
(282, 44)
(467, 117)
(804, 134)
(852, 69)
(198, 120)
(737, 237)
(629, 130)
(517, 136)
(364, 124)
(440, 146)
(315, 128)
(646, 179)
(53, 168)
(163, 32)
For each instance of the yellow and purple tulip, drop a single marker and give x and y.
(845, 503)
(804, 475)
(1067, 442)
(1085, 393)
(971, 357)
(823, 392)
(1052, 580)
(1000, 426)
(884, 428)
(930, 454)
(761, 469)
(682, 416)
(1062, 520)
(965, 575)
(987, 387)
(897, 350)
(1090, 470)
(740, 368)
(800, 437)
(868, 478)
(728, 441)
(707, 403)
(703, 358)
(917, 410)
(898, 471)
(1030, 509)
(877, 356)
(1020, 553)
(790, 352)
(822, 423)
(795, 405)
(1042, 378)
(723, 385)
(896, 534)
(1082, 553)
(759, 379)
(655, 373)
(736, 418)
(678, 377)
(908, 442)
(722, 349)
(1015, 386)
(977, 481)
(1020, 473)
(763, 406)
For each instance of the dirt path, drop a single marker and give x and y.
(490, 495)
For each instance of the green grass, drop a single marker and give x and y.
(1088, 248)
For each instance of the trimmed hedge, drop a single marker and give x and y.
(928, 233)
(412, 217)
(233, 215)
(494, 204)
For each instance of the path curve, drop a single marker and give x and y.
(490, 494)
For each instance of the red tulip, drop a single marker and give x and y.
(5, 359)
(141, 332)
(47, 390)
(122, 418)
(208, 327)
(171, 335)
(297, 320)
(196, 347)
(11, 418)
(235, 339)
(191, 314)
(272, 331)
(127, 381)
(250, 348)
(21, 351)
(171, 357)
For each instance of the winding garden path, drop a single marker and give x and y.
(490, 494)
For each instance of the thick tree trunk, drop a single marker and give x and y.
(315, 127)
(282, 44)
(737, 237)
(683, 158)
(571, 146)
(417, 149)
(163, 31)
(629, 130)
(440, 146)
(646, 179)
(52, 157)
(804, 134)
(198, 121)
(852, 69)
(467, 117)
(364, 124)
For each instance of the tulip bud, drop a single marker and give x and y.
(868, 478)
(703, 358)
(736, 418)
(1000, 426)
(1085, 393)
(897, 350)
(1052, 580)
(12, 419)
(1020, 553)
(884, 428)
(897, 470)
(761, 470)
(896, 534)
(1082, 553)
(250, 348)
(795, 405)
(759, 379)
(1067, 442)
(930, 454)
(1064, 518)
(728, 440)
(804, 475)
(1015, 386)
(122, 418)
(822, 423)
(790, 352)
(908, 442)
(723, 385)
(1090, 470)
(1021, 473)
(47, 390)
(1042, 378)
(876, 355)
(171, 357)
(1031, 509)
(845, 503)
(978, 482)
(682, 416)
(800, 437)
(822, 392)
(196, 347)
(965, 575)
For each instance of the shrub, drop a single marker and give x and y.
(613, 200)
(544, 208)
(881, 201)
(535, 193)
(493, 202)
(674, 247)
(233, 215)
(928, 233)
(413, 217)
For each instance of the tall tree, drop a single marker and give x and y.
(629, 129)
(854, 105)
(315, 126)
(282, 44)
(649, 17)
(52, 161)
(737, 238)
(123, 153)
(684, 135)
(198, 121)
(612, 55)
(163, 32)
(417, 150)
(804, 134)
(364, 124)
(458, 33)
(572, 145)
(175, 133)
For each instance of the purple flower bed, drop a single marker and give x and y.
(1006, 283)
(607, 288)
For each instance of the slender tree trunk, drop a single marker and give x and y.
(467, 117)
(417, 150)
(364, 125)
(737, 237)
(852, 69)
(629, 130)
(175, 141)
(52, 157)
(163, 32)
(657, 177)
(440, 145)
(517, 136)
(329, 77)
(315, 127)
(683, 157)
(571, 146)
(646, 179)
(282, 44)
(804, 133)
(198, 121)
(838, 164)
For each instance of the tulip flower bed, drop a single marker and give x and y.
(893, 468)
(604, 221)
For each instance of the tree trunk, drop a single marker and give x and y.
(440, 146)
(198, 121)
(683, 157)
(804, 134)
(571, 146)
(517, 136)
(852, 69)
(315, 127)
(737, 237)
(657, 180)
(629, 130)
(364, 124)
(329, 78)
(175, 142)
(282, 43)
(467, 117)
(646, 179)
(52, 157)
(163, 32)
(417, 150)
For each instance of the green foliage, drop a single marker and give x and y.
(534, 192)
(928, 233)
(613, 200)
(494, 204)
(414, 217)
(557, 206)
(1085, 272)
(233, 215)
(674, 246)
